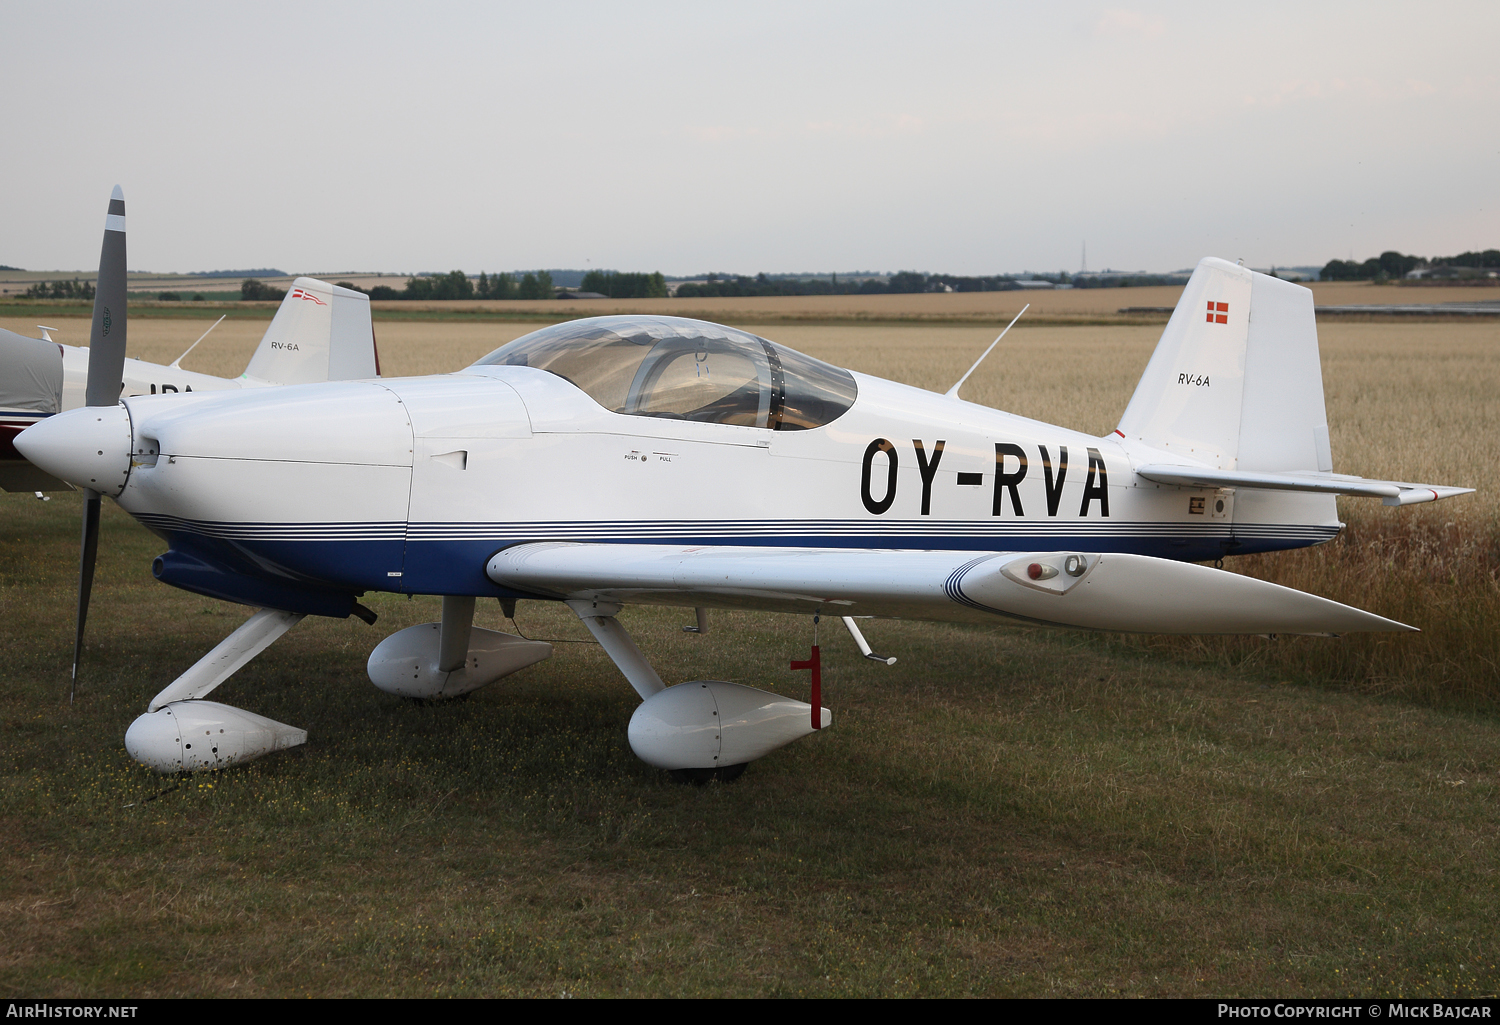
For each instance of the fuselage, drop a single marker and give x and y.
(410, 485)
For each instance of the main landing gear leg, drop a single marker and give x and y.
(182, 732)
(254, 635)
(599, 617)
(454, 632)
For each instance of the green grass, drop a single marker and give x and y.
(1000, 813)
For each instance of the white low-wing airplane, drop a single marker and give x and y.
(321, 332)
(658, 460)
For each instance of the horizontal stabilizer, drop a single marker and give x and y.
(1128, 593)
(1389, 491)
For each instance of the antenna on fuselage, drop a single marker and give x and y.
(953, 392)
(190, 348)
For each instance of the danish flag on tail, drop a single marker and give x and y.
(298, 293)
(1218, 313)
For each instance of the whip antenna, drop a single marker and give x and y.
(953, 392)
(190, 348)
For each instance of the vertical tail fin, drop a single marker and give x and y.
(321, 332)
(1235, 382)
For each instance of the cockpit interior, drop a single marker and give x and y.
(686, 370)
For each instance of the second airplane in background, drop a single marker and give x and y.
(320, 333)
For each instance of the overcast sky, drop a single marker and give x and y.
(973, 139)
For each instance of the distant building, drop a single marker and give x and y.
(1444, 272)
(1111, 273)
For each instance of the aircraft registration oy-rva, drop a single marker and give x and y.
(664, 461)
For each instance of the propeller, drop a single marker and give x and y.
(105, 382)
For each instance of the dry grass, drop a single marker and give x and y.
(1443, 577)
(1079, 305)
(1417, 403)
(407, 348)
(1391, 386)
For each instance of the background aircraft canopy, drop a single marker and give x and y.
(686, 370)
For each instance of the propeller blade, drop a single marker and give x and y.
(88, 549)
(105, 382)
(107, 337)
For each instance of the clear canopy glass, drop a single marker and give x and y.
(686, 370)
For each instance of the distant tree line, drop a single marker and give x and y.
(255, 290)
(458, 285)
(627, 285)
(901, 283)
(1127, 280)
(1391, 264)
(617, 285)
(738, 285)
(74, 289)
(909, 280)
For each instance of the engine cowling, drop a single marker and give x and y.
(186, 736)
(405, 663)
(710, 724)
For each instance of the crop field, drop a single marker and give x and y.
(1004, 812)
(1068, 307)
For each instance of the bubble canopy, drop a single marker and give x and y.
(685, 370)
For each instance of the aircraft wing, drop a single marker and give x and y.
(1390, 492)
(1111, 591)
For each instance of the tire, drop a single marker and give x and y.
(703, 777)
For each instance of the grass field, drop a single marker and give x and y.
(1003, 812)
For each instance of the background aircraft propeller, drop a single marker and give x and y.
(105, 382)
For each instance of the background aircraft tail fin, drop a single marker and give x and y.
(321, 333)
(1235, 381)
